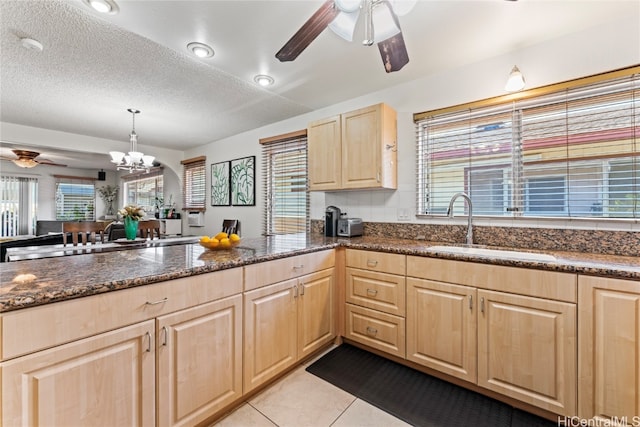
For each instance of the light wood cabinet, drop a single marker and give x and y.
(518, 325)
(609, 349)
(199, 361)
(84, 365)
(104, 380)
(355, 150)
(376, 300)
(441, 327)
(324, 148)
(284, 323)
(527, 350)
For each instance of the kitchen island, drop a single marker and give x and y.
(162, 323)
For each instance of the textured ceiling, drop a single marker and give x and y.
(95, 66)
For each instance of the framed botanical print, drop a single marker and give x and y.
(220, 184)
(243, 181)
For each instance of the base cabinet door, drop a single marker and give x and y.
(527, 350)
(106, 380)
(441, 327)
(199, 361)
(270, 332)
(315, 311)
(609, 350)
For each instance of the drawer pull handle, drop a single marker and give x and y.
(482, 305)
(371, 331)
(148, 336)
(165, 336)
(372, 292)
(372, 262)
(295, 291)
(470, 302)
(163, 300)
(301, 289)
(298, 267)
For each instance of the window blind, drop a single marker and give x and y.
(75, 198)
(18, 205)
(194, 182)
(285, 184)
(567, 153)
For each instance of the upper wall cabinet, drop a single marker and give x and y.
(354, 150)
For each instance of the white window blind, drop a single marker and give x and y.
(285, 183)
(75, 198)
(194, 182)
(143, 189)
(567, 153)
(18, 205)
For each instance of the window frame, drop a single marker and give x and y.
(75, 181)
(194, 180)
(576, 203)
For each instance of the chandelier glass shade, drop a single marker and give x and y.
(134, 160)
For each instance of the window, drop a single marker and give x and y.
(570, 152)
(75, 198)
(143, 189)
(285, 183)
(193, 182)
(18, 205)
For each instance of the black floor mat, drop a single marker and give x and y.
(412, 396)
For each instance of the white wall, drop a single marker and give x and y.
(590, 52)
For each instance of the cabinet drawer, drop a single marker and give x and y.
(523, 281)
(57, 323)
(378, 330)
(376, 261)
(266, 273)
(379, 291)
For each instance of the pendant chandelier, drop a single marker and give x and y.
(134, 160)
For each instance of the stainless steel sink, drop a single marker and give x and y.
(492, 253)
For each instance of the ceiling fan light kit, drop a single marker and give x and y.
(27, 159)
(134, 160)
(341, 16)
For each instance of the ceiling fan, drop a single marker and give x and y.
(381, 26)
(27, 159)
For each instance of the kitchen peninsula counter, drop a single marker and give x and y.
(36, 282)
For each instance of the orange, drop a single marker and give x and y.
(234, 238)
(213, 243)
(225, 243)
(205, 239)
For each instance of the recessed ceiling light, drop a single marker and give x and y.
(263, 80)
(200, 50)
(103, 6)
(31, 44)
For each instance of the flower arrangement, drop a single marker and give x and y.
(132, 212)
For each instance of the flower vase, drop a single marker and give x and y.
(130, 228)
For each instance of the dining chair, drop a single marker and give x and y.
(231, 226)
(148, 227)
(83, 232)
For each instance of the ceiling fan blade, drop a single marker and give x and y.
(308, 32)
(394, 53)
(47, 162)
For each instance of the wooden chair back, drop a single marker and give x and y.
(83, 232)
(230, 226)
(149, 228)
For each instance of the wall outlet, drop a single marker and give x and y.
(404, 214)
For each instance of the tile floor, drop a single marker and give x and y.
(301, 399)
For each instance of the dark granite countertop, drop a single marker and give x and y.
(35, 282)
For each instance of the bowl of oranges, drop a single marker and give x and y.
(221, 240)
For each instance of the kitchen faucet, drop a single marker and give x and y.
(469, 225)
